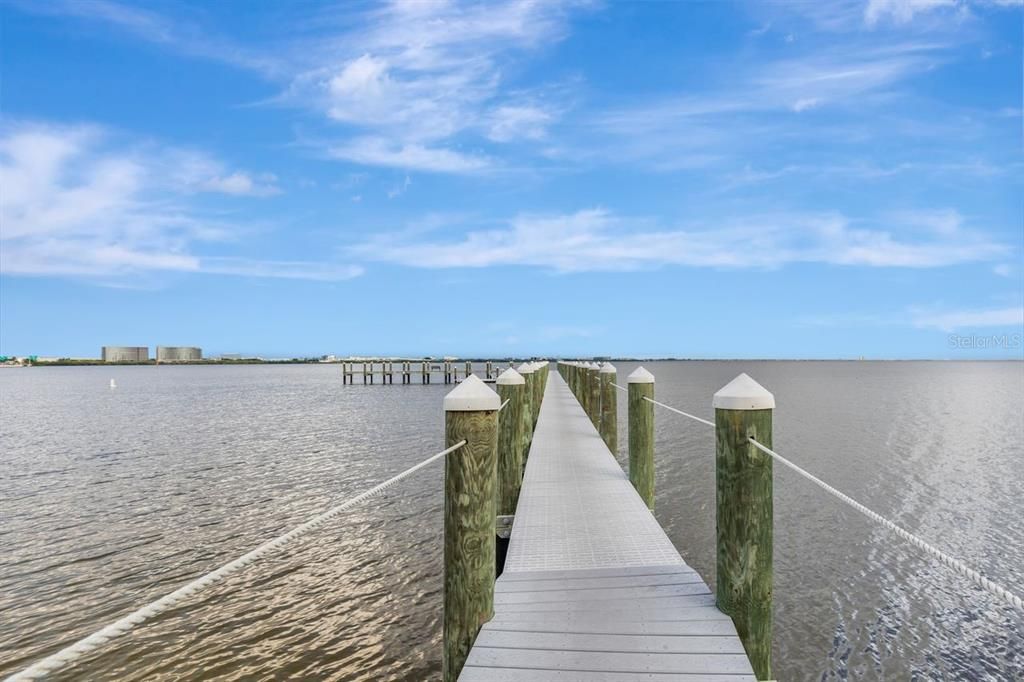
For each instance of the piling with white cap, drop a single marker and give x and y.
(511, 439)
(594, 400)
(609, 422)
(583, 390)
(640, 393)
(538, 392)
(530, 375)
(743, 483)
(470, 486)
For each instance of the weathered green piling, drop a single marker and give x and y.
(528, 373)
(584, 392)
(595, 395)
(470, 482)
(743, 484)
(511, 439)
(538, 392)
(640, 385)
(609, 424)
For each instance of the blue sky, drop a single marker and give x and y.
(710, 179)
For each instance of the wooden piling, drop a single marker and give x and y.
(595, 395)
(609, 423)
(511, 440)
(641, 434)
(528, 373)
(538, 393)
(471, 414)
(743, 484)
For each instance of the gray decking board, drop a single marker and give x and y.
(593, 589)
(528, 675)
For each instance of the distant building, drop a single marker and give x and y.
(125, 354)
(178, 353)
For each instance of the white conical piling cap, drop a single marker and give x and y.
(510, 377)
(607, 368)
(525, 368)
(640, 376)
(472, 395)
(743, 393)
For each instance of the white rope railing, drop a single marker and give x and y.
(957, 565)
(71, 653)
(502, 407)
(685, 414)
(621, 388)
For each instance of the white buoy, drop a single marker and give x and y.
(113, 384)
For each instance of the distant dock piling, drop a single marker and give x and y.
(527, 371)
(609, 423)
(594, 388)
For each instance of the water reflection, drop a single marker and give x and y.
(114, 498)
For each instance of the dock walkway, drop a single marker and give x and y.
(593, 590)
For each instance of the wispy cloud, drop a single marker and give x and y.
(381, 151)
(597, 240)
(923, 317)
(77, 201)
(759, 109)
(949, 321)
(320, 272)
(416, 77)
(145, 24)
(902, 11)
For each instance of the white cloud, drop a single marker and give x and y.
(509, 123)
(1003, 270)
(949, 321)
(242, 184)
(399, 190)
(901, 11)
(596, 240)
(755, 109)
(379, 151)
(188, 170)
(412, 77)
(806, 103)
(416, 75)
(320, 272)
(77, 202)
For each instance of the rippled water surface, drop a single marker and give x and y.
(112, 498)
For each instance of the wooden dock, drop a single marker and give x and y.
(592, 589)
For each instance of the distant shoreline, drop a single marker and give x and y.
(317, 361)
